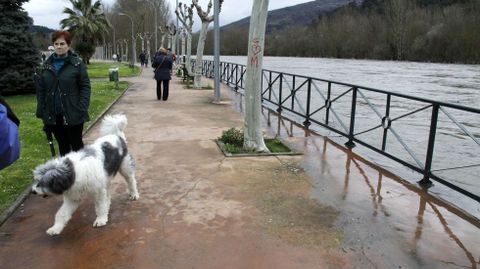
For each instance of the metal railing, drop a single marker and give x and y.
(335, 105)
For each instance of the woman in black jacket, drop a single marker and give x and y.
(163, 72)
(63, 95)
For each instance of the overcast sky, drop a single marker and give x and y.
(49, 12)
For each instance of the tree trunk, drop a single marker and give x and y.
(253, 136)
(188, 64)
(201, 45)
(185, 16)
(163, 42)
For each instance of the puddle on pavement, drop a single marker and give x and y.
(387, 219)
(378, 208)
(280, 189)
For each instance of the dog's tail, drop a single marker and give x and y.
(114, 124)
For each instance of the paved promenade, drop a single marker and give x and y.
(199, 209)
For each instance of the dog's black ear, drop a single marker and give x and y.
(62, 177)
(42, 169)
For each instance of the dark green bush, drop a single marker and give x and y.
(232, 136)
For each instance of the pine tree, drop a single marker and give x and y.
(18, 54)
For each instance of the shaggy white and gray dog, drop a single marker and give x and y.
(88, 172)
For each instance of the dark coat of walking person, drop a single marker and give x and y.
(142, 59)
(163, 72)
(63, 94)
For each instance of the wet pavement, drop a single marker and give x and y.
(327, 208)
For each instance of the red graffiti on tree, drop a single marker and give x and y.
(256, 49)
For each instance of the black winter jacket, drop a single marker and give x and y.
(163, 67)
(74, 88)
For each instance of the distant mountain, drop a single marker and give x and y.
(41, 36)
(41, 29)
(301, 14)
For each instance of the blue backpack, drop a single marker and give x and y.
(9, 139)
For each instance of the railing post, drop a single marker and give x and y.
(232, 78)
(241, 77)
(293, 94)
(309, 93)
(425, 182)
(279, 109)
(261, 87)
(236, 78)
(350, 144)
(228, 75)
(328, 103)
(231, 75)
(270, 86)
(224, 67)
(212, 69)
(386, 122)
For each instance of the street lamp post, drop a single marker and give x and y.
(216, 61)
(115, 51)
(126, 49)
(176, 36)
(183, 37)
(134, 56)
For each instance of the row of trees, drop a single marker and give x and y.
(88, 24)
(422, 30)
(144, 22)
(151, 18)
(92, 24)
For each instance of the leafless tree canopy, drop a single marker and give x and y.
(143, 16)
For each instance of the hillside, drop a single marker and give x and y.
(41, 29)
(298, 15)
(41, 36)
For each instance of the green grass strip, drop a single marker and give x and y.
(34, 147)
(275, 145)
(100, 69)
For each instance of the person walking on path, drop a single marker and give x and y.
(142, 59)
(63, 95)
(163, 72)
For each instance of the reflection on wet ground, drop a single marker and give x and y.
(199, 209)
(378, 206)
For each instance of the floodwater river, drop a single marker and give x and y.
(456, 155)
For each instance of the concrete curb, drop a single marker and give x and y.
(221, 145)
(16, 204)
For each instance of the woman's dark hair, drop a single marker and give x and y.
(60, 33)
